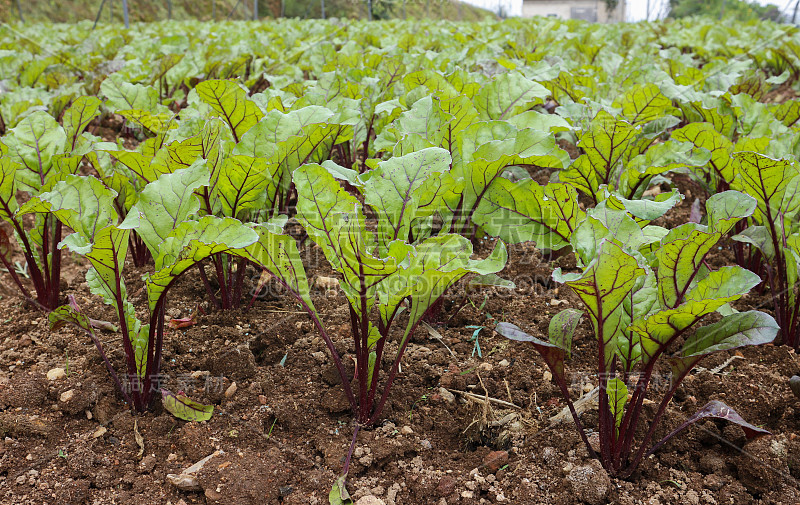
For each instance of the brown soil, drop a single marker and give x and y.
(285, 430)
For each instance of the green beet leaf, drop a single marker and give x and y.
(339, 494)
(507, 95)
(605, 144)
(617, 398)
(775, 184)
(602, 287)
(526, 211)
(644, 103)
(78, 116)
(684, 248)
(720, 167)
(732, 331)
(34, 144)
(244, 184)
(165, 203)
(230, 101)
(562, 328)
(184, 408)
(124, 95)
(393, 190)
(82, 203)
(8, 189)
(191, 242)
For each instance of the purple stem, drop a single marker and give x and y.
(201, 268)
(656, 419)
(55, 278)
(223, 287)
(349, 457)
(237, 286)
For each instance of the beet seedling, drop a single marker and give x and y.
(34, 156)
(644, 290)
(178, 244)
(775, 184)
(383, 275)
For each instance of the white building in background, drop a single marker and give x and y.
(594, 11)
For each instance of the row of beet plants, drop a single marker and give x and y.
(216, 186)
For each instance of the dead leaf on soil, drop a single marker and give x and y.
(139, 439)
(187, 479)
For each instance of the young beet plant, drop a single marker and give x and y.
(645, 291)
(382, 273)
(249, 154)
(160, 216)
(34, 156)
(723, 168)
(774, 234)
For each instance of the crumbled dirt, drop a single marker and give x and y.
(284, 432)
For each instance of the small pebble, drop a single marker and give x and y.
(231, 390)
(794, 384)
(495, 460)
(370, 500)
(326, 282)
(56, 373)
(447, 395)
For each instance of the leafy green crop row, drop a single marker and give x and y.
(392, 150)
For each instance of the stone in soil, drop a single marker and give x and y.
(447, 395)
(231, 390)
(711, 463)
(446, 486)
(77, 400)
(56, 374)
(147, 464)
(370, 500)
(20, 425)
(330, 374)
(590, 483)
(495, 460)
(104, 410)
(453, 380)
(212, 495)
(122, 422)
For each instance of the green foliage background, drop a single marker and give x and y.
(738, 9)
(68, 11)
